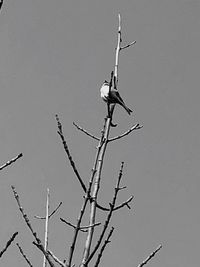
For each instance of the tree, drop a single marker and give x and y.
(91, 190)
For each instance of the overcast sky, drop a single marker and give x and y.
(54, 56)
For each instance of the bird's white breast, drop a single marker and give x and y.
(104, 92)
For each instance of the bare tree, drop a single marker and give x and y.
(91, 190)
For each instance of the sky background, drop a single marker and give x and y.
(54, 57)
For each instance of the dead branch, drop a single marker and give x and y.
(8, 244)
(150, 256)
(53, 212)
(107, 241)
(134, 127)
(38, 242)
(60, 132)
(12, 160)
(84, 131)
(24, 255)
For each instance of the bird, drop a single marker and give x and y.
(112, 97)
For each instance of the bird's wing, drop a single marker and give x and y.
(115, 94)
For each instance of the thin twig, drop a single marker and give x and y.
(150, 256)
(12, 160)
(38, 242)
(43, 218)
(56, 259)
(128, 45)
(8, 243)
(84, 131)
(134, 127)
(24, 256)
(103, 247)
(60, 132)
(80, 228)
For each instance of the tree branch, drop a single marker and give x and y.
(68, 154)
(38, 242)
(46, 228)
(134, 127)
(56, 259)
(12, 160)
(43, 218)
(103, 247)
(128, 45)
(8, 243)
(107, 221)
(80, 228)
(150, 256)
(86, 132)
(24, 256)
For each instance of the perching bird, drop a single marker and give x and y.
(112, 97)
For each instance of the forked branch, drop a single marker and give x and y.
(38, 242)
(107, 221)
(50, 215)
(107, 241)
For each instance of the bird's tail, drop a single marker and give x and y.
(127, 109)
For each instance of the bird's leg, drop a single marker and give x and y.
(111, 114)
(108, 106)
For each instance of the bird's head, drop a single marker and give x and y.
(106, 82)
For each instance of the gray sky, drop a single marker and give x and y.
(54, 57)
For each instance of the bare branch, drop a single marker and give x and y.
(68, 154)
(87, 195)
(56, 259)
(107, 221)
(128, 45)
(70, 224)
(41, 248)
(12, 160)
(80, 228)
(24, 256)
(150, 256)
(125, 203)
(8, 243)
(103, 247)
(46, 228)
(38, 242)
(134, 127)
(86, 132)
(43, 218)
